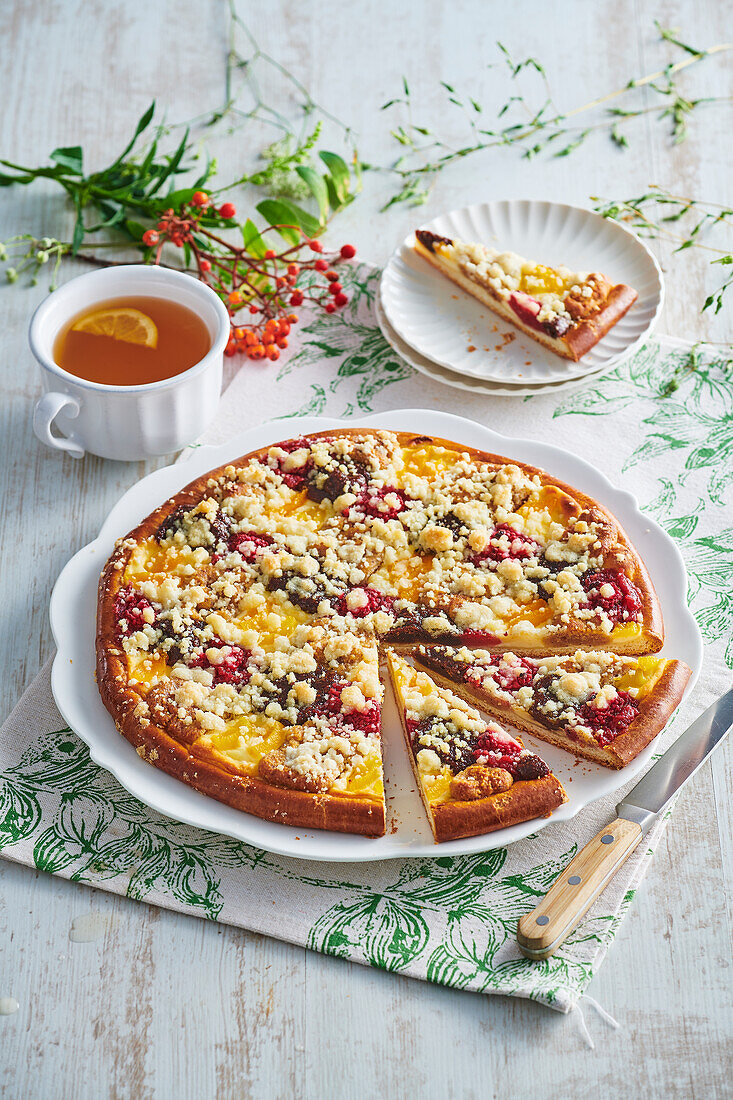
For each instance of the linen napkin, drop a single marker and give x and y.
(447, 919)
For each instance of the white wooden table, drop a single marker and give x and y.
(164, 1005)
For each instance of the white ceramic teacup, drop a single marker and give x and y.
(126, 422)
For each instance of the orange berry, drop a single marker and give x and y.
(250, 338)
(293, 318)
(239, 334)
(273, 354)
(282, 342)
(235, 297)
(199, 198)
(269, 255)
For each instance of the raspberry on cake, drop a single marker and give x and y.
(566, 311)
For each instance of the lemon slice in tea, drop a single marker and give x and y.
(127, 324)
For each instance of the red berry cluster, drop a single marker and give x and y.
(232, 669)
(130, 608)
(519, 545)
(376, 601)
(625, 601)
(495, 753)
(609, 721)
(514, 676)
(367, 720)
(259, 288)
(248, 543)
(370, 502)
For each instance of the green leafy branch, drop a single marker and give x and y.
(289, 171)
(539, 127)
(130, 195)
(683, 222)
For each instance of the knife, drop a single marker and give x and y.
(541, 932)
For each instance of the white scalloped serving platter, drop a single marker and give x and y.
(441, 322)
(73, 613)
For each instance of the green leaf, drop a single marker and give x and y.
(177, 198)
(318, 188)
(682, 527)
(70, 157)
(79, 232)
(53, 852)
(20, 812)
(134, 229)
(339, 173)
(7, 181)
(388, 935)
(143, 123)
(145, 119)
(252, 240)
(286, 215)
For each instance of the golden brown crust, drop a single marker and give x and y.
(200, 768)
(655, 710)
(586, 335)
(576, 342)
(524, 801)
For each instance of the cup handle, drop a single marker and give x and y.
(45, 412)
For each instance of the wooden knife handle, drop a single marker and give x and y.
(541, 932)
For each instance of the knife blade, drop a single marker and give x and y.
(678, 764)
(541, 932)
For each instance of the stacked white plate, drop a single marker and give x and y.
(453, 338)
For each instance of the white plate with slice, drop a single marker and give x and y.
(481, 386)
(73, 614)
(443, 323)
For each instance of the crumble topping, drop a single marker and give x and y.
(592, 696)
(263, 597)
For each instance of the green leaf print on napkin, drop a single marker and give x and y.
(350, 335)
(98, 830)
(459, 913)
(692, 434)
